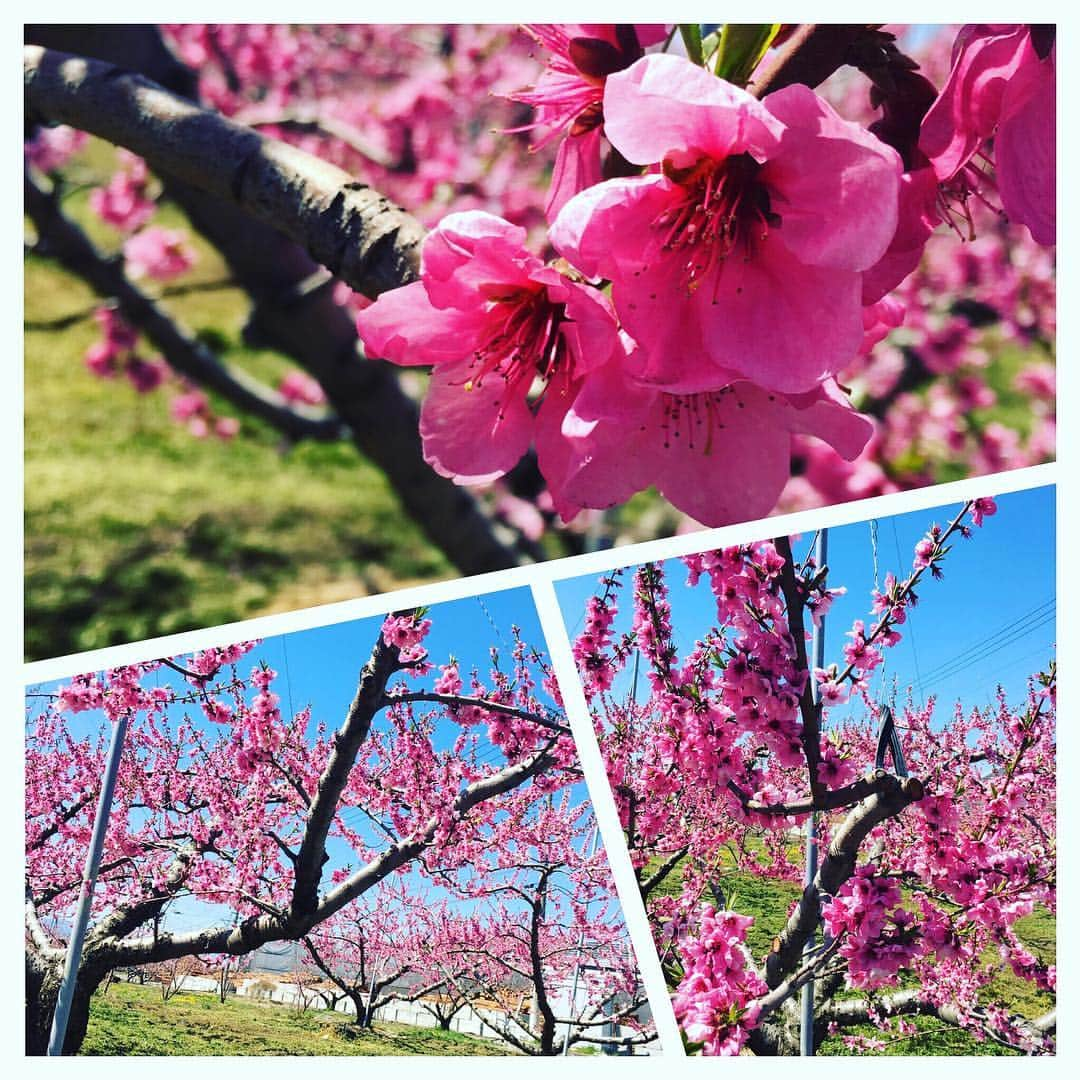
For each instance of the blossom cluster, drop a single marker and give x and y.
(654, 276)
(712, 770)
(744, 263)
(715, 1000)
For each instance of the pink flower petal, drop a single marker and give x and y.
(403, 327)
(838, 184)
(662, 103)
(473, 435)
(469, 250)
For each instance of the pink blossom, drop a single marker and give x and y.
(569, 96)
(146, 375)
(492, 320)
(298, 386)
(751, 240)
(52, 147)
(158, 253)
(1002, 89)
(185, 406)
(721, 456)
(122, 202)
(983, 508)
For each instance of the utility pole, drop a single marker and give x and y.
(593, 840)
(817, 648)
(86, 893)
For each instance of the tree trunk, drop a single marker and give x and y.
(363, 1014)
(42, 989)
(547, 1039)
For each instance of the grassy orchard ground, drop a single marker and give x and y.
(133, 1020)
(134, 528)
(769, 902)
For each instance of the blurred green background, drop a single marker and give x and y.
(135, 528)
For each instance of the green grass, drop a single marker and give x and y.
(769, 902)
(134, 528)
(132, 1020)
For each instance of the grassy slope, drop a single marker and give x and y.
(132, 1020)
(769, 902)
(135, 528)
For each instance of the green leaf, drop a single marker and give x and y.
(741, 48)
(691, 35)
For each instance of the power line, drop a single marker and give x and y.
(911, 622)
(1010, 631)
(964, 665)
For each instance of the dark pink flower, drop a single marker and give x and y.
(146, 375)
(742, 257)
(502, 332)
(123, 202)
(1001, 88)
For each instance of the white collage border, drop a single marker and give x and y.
(1065, 474)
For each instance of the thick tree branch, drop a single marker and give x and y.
(827, 798)
(369, 699)
(851, 1011)
(307, 324)
(837, 866)
(351, 229)
(795, 602)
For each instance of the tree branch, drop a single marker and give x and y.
(794, 602)
(850, 1011)
(837, 866)
(354, 231)
(187, 356)
(306, 323)
(479, 703)
(369, 699)
(812, 53)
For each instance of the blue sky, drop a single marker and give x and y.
(320, 667)
(990, 620)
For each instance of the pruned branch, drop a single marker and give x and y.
(837, 866)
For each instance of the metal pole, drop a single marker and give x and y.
(371, 993)
(86, 894)
(817, 648)
(577, 967)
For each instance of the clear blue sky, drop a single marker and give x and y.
(320, 667)
(1001, 580)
